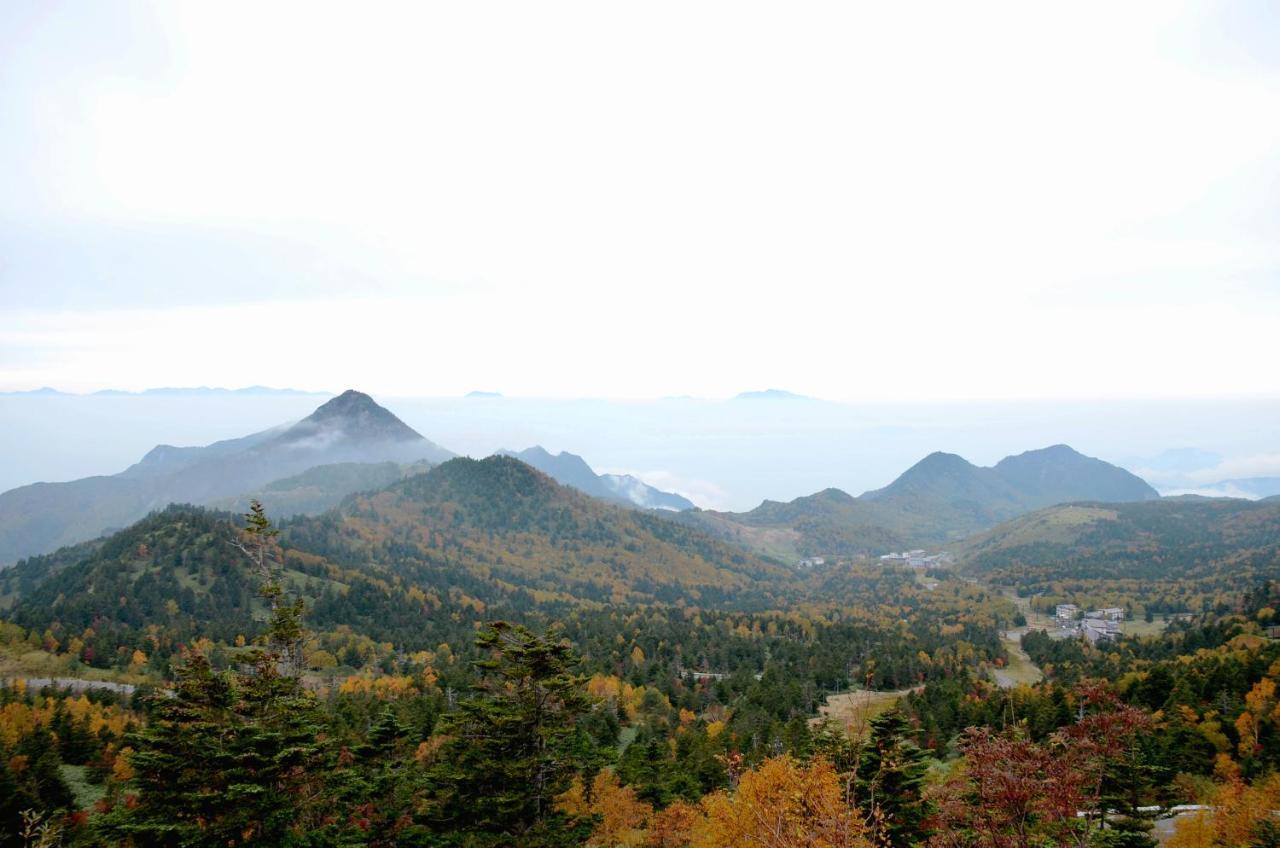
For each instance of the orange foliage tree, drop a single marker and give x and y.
(781, 804)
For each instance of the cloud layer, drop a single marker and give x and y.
(572, 198)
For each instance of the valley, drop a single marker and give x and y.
(706, 643)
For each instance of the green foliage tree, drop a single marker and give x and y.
(30, 780)
(230, 758)
(513, 748)
(891, 777)
(226, 759)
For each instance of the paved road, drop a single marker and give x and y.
(75, 684)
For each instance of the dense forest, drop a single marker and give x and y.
(290, 693)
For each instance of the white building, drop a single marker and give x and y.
(1066, 613)
(1098, 629)
(1107, 613)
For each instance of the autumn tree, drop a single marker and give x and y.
(620, 815)
(1013, 792)
(1239, 813)
(782, 804)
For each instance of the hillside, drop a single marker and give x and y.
(938, 501)
(350, 428)
(467, 534)
(513, 527)
(572, 470)
(175, 576)
(1202, 544)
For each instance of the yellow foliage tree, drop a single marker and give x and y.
(622, 815)
(1236, 817)
(781, 804)
(673, 827)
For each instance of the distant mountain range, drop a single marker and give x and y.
(770, 394)
(350, 444)
(571, 470)
(939, 500)
(187, 391)
(349, 429)
(1244, 487)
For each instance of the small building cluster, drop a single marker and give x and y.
(811, 562)
(1095, 625)
(1098, 629)
(916, 559)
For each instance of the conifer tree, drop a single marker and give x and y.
(891, 779)
(229, 758)
(509, 750)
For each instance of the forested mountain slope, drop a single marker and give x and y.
(1187, 546)
(514, 526)
(468, 533)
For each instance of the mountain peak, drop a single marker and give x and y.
(939, 474)
(833, 495)
(572, 470)
(358, 416)
(1058, 452)
(1059, 474)
(940, 462)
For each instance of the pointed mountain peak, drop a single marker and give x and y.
(357, 416)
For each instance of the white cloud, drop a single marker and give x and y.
(577, 198)
(704, 493)
(1240, 468)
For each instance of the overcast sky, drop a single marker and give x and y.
(852, 201)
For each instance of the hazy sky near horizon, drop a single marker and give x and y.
(851, 201)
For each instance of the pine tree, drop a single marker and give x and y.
(257, 543)
(230, 758)
(375, 783)
(225, 760)
(891, 778)
(509, 751)
(30, 780)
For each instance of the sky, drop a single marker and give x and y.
(858, 202)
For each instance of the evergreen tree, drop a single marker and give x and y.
(1127, 781)
(230, 758)
(30, 780)
(509, 751)
(374, 783)
(891, 777)
(226, 760)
